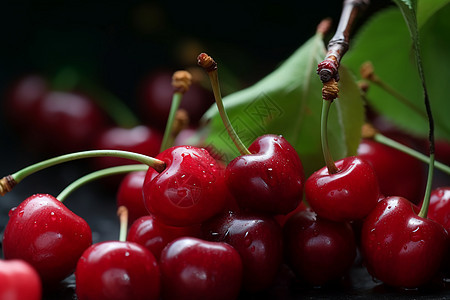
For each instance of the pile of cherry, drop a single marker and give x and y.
(200, 229)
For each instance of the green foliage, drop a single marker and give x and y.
(288, 102)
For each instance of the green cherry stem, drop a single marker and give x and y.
(181, 80)
(98, 175)
(332, 169)
(399, 146)
(210, 66)
(122, 213)
(8, 182)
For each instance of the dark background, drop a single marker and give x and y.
(115, 44)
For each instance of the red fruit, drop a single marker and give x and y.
(149, 232)
(439, 208)
(68, 122)
(398, 173)
(140, 139)
(129, 195)
(269, 180)
(281, 219)
(347, 195)
(19, 281)
(195, 269)
(257, 238)
(399, 247)
(47, 235)
(318, 250)
(117, 270)
(155, 98)
(189, 191)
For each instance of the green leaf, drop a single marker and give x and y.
(386, 42)
(288, 101)
(426, 9)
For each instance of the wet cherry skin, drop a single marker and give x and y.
(149, 232)
(439, 208)
(47, 235)
(270, 179)
(318, 250)
(192, 268)
(398, 173)
(350, 194)
(189, 191)
(257, 238)
(117, 270)
(400, 248)
(19, 280)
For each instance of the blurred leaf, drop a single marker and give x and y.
(288, 101)
(385, 41)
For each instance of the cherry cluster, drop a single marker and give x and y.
(204, 229)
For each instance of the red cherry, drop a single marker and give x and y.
(129, 195)
(18, 280)
(281, 219)
(257, 238)
(117, 270)
(269, 180)
(318, 250)
(149, 232)
(347, 195)
(196, 269)
(140, 139)
(68, 122)
(439, 208)
(155, 98)
(189, 191)
(47, 235)
(399, 247)
(398, 173)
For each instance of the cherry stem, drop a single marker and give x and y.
(210, 67)
(167, 140)
(332, 169)
(122, 213)
(426, 199)
(156, 164)
(416, 154)
(98, 175)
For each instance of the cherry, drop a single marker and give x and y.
(129, 194)
(439, 209)
(117, 270)
(18, 280)
(190, 190)
(47, 235)
(257, 238)
(281, 219)
(68, 122)
(399, 174)
(139, 139)
(268, 180)
(155, 94)
(192, 268)
(349, 194)
(401, 248)
(149, 232)
(318, 250)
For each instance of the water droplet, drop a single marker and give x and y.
(52, 213)
(184, 175)
(11, 211)
(127, 254)
(21, 213)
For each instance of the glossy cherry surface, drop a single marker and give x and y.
(190, 190)
(130, 195)
(439, 208)
(149, 232)
(318, 250)
(140, 139)
(19, 281)
(398, 173)
(196, 269)
(47, 235)
(349, 194)
(257, 238)
(117, 270)
(269, 180)
(399, 247)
